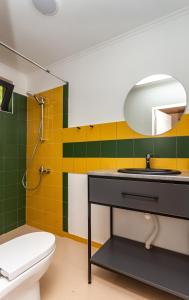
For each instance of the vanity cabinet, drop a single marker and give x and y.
(161, 268)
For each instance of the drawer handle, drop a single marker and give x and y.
(140, 196)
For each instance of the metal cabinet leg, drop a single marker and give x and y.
(111, 221)
(89, 242)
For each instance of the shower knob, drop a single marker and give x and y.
(43, 170)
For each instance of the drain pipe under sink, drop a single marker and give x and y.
(153, 235)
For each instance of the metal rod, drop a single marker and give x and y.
(89, 243)
(89, 236)
(111, 221)
(31, 61)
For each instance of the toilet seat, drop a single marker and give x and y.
(21, 253)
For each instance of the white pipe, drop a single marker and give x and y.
(153, 235)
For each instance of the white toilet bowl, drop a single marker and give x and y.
(23, 261)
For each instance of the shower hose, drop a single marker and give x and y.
(24, 178)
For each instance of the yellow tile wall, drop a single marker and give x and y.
(44, 206)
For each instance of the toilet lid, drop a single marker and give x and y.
(21, 253)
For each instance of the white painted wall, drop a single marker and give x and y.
(99, 82)
(18, 78)
(101, 77)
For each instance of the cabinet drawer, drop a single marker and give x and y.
(163, 198)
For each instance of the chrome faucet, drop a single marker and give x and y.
(148, 157)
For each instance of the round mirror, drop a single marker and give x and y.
(155, 104)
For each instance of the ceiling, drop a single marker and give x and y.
(78, 25)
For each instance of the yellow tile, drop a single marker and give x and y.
(68, 165)
(51, 205)
(51, 192)
(108, 163)
(108, 131)
(125, 132)
(35, 202)
(80, 165)
(35, 216)
(68, 135)
(52, 219)
(183, 126)
(183, 164)
(139, 162)
(124, 163)
(93, 133)
(80, 134)
(93, 164)
(164, 163)
(53, 179)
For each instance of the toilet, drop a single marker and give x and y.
(23, 261)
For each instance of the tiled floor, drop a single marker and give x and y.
(66, 278)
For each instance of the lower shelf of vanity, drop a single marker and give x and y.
(163, 269)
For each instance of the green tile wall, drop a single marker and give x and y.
(12, 165)
(164, 147)
(65, 105)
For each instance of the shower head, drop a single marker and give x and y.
(40, 100)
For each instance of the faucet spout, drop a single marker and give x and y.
(148, 157)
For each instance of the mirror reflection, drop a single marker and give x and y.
(155, 104)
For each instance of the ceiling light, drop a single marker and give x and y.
(153, 78)
(46, 7)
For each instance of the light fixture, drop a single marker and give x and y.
(46, 7)
(153, 78)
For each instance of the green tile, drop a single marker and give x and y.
(93, 149)
(2, 223)
(183, 147)
(65, 105)
(165, 147)
(142, 147)
(65, 194)
(2, 191)
(10, 219)
(125, 148)
(2, 179)
(21, 202)
(108, 148)
(65, 180)
(21, 216)
(11, 191)
(10, 227)
(9, 204)
(10, 150)
(12, 163)
(68, 149)
(80, 149)
(65, 120)
(65, 209)
(65, 224)
(1, 163)
(10, 177)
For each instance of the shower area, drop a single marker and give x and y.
(31, 157)
(43, 180)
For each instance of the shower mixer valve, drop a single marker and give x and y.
(44, 171)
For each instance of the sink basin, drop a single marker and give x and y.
(149, 171)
